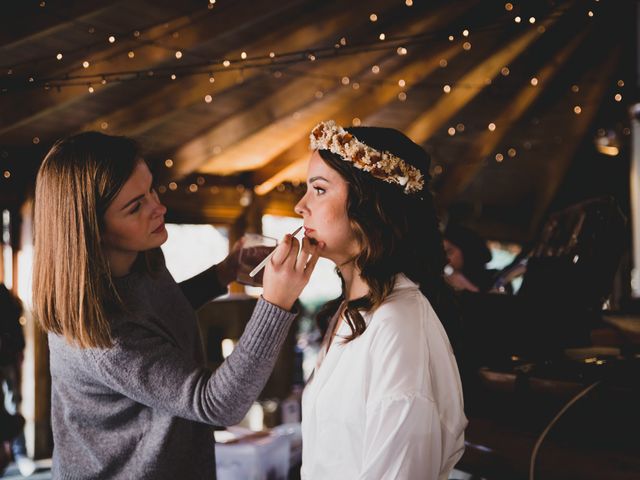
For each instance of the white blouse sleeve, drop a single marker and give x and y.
(403, 440)
(406, 436)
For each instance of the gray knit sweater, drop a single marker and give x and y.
(144, 409)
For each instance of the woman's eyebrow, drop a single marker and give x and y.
(132, 201)
(313, 179)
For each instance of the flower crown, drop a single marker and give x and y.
(382, 165)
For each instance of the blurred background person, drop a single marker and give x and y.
(11, 355)
(467, 256)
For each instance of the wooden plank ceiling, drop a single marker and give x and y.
(222, 94)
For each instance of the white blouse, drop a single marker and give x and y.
(387, 405)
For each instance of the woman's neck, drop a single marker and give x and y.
(354, 284)
(120, 264)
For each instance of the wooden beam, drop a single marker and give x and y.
(276, 140)
(340, 106)
(427, 124)
(293, 95)
(221, 206)
(31, 22)
(592, 93)
(159, 105)
(32, 105)
(464, 170)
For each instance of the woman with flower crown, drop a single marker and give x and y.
(385, 400)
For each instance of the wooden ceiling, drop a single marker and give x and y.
(228, 91)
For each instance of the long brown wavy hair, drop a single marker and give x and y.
(396, 232)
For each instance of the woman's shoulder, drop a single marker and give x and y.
(405, 299)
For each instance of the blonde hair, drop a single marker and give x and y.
(72, 285)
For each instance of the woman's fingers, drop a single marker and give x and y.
(282, 251)
(311, 264)
(289, 271)
(290, 261)
(305, 253)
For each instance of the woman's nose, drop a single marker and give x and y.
(300, 208)
(159, 208)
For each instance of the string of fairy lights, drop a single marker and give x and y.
(274, 64)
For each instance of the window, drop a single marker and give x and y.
(191, 249)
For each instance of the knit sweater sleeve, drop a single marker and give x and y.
(202, 288)
(148, 368)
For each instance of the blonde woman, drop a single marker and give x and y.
(130, 396)
(385, 401)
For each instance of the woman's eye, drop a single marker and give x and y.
(136, 208)
(319, 191)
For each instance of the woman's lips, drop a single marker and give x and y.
(159, 229)
(307, 233)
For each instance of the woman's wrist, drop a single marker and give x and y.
(278, 302)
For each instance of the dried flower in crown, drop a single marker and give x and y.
(382, 165)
